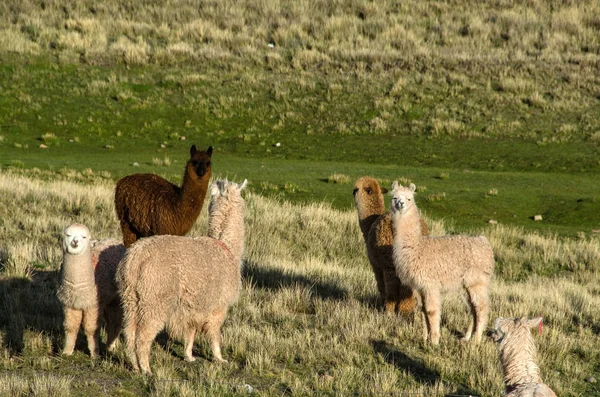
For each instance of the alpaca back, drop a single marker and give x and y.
(452, 261)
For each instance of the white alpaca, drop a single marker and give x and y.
(517, 352)
(185, 284)
(434, 265)
(87, 288)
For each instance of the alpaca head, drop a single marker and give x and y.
(506, 329)
(368, 192)
(76, 238)
(403, 198)
(199, 162)
(223, 193)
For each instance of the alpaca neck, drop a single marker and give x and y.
(77, 270)
(192, 192)
(518, 360)
(407, 229)
(228, 227)
(368, 214)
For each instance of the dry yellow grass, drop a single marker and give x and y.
(309, 33)
(305, 322)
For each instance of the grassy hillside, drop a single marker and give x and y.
(490, 108)
(306, 321)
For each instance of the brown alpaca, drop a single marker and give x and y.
(148, 205)
(376, 226)
(185, 284)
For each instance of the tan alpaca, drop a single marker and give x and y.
(433, 265)
(182, 283)
(517, 352)
(376, 226)
(87, 287)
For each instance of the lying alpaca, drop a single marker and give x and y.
(433, 265)
(376, 227)
(517, 353)
(87, 287)
(186, 284)
(148, 205)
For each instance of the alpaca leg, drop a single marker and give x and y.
(399, 298)
(479, 300)
(189, 345)
(147, 330)
(71, 324)
(213, 330)
(114, 320)
(392, 291)
(379, 279)
(432, 311)
(91, 326)
(130, 332)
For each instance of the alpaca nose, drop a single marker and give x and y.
(74, 243)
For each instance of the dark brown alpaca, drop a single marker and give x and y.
(148, 205)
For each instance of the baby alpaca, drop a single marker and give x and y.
(148, 205)
(182, 283)
(87, 287)
(433, 265)
(517, 352)
(376, 226)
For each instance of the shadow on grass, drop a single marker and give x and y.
(30, 305)
(401, 361)
(274, 279)
(414, 368)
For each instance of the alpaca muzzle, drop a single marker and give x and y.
(74, 243)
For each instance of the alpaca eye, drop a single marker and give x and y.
(354, 191)
(208, 164)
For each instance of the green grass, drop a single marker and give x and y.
(78, 112)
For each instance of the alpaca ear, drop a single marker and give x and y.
(193, 150)
(214, 189)
(413, 187)
(244, 184)
(209, 151)
(533, 323)
(394, 185)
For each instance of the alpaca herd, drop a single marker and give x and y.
(156, 278)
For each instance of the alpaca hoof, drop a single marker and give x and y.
(67, 353)
(221, 360)
(190, 359)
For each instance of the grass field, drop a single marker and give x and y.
(490, 108)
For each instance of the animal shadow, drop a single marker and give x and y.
(30, 304)
(273, 279)
(401, 361)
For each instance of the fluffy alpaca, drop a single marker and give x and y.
(87, 288)
(148, 205)
(517, 352)
(182, 283)
(433, 265)
(376, 226)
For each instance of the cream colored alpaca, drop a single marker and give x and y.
(182, 283)
(87, 287)
(376, 226)
(518, 355)
(433, 265)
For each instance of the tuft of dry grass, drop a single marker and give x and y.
(306, 321)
